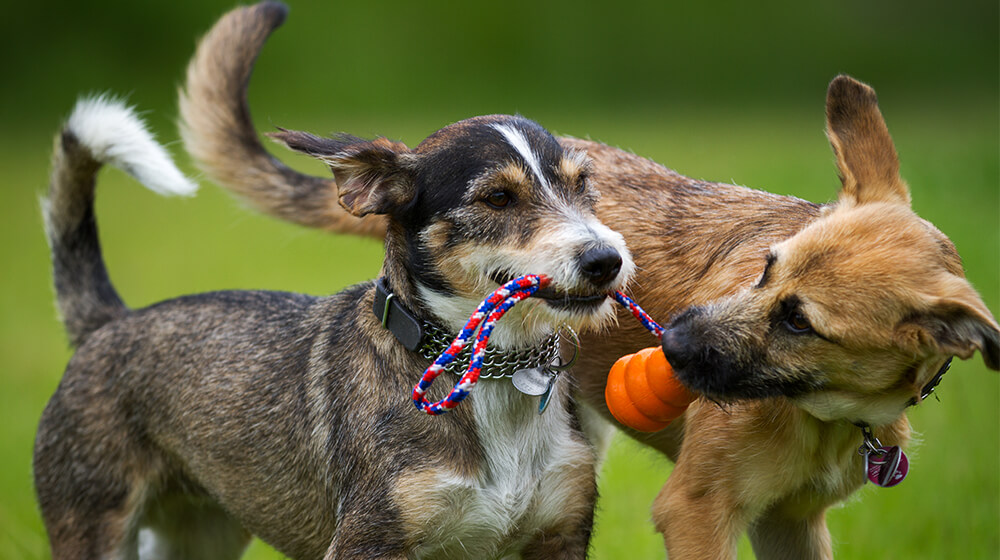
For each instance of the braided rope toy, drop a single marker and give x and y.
(639, 313)
(492, 309)
(484, 319)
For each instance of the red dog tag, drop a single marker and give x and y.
(886, 466)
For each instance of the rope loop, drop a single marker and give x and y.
(484, 319)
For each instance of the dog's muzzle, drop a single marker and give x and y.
(601, 266)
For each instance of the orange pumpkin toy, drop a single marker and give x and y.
(642, 392)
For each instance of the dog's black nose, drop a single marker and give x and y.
(677, 347)
(601, 265)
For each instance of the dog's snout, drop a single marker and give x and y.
(677, 347)
(601, 265)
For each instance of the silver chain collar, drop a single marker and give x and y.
(497, 364)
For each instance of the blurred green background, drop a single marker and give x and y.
(728, 91)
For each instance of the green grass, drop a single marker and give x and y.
(158, 248)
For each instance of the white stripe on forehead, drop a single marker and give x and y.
(519, 142)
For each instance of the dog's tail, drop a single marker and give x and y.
(100, 130)
(218, 131)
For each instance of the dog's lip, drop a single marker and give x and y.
(550, 294)
(553, 296)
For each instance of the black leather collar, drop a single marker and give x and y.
(395, 317)
(929, 388)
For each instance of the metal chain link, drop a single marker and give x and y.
(496, 363)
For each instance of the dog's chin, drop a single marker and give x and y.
(874, 409)
(568, 303)
(729, 384)
(587, 315)
(534, 320)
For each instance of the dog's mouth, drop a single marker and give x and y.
(560, 299)
(570, 301)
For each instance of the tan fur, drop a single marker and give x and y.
(224, 142)
(884, 287)
(575, 166)
(866, 270)
(512, 174)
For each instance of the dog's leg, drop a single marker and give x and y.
(368, 530)
(571, 546)
(370, 551)
(703, 509)
(182, 527)
(777, 535)
(91, 487)
(569, 539)
(109, 532)
(695, 524)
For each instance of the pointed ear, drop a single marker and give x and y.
(866, 156)
(373, 177)
(954, 326)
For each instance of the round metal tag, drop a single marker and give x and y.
(888, 468)
(531, 381)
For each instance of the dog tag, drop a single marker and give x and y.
(543, 403)
(532, 381)
(888, 468)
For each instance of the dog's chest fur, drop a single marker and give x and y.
(532, 478)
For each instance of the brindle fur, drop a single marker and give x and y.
(701, 248)
(181, 429)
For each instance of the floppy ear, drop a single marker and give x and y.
(373, 177)
(957, 325)
(866, 156)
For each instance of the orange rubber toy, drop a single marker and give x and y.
(642, 392)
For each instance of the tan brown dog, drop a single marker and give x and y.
(808, 321)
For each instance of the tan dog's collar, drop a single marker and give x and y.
(929, 387)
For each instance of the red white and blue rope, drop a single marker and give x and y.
(491, 309)
(484, 319)
(639, 313)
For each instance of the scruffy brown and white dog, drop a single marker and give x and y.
(807, 320)
(181, 429)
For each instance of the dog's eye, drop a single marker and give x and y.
(797, 322)
(499, 199)
(581, 184)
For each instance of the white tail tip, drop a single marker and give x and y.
(115, 135)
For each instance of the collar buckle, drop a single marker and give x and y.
(395, 317)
